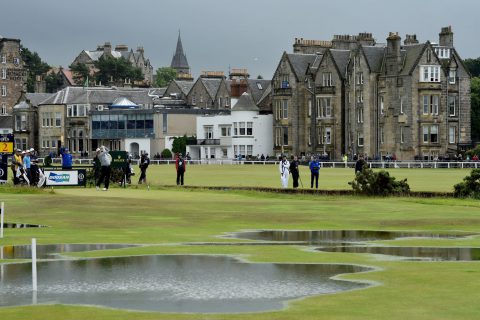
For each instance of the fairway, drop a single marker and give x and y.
(441, 180)
(168, 219)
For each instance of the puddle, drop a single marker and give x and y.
(337, 236)
(414, 253)
(172, 283)
(47, 251)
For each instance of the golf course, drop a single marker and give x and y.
(161, 218)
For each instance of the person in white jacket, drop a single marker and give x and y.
(284, 171)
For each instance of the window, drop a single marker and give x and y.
(58, 119)
(208, 132)
(360, 78)
(401, 105)
(224, 152)
(241, 127)
(429, 73)
(249, 128)
(430, 134)
(259, 86)
(309, 107)
(451, 135)
(382, 135)
(285, 109)
(443, 53)
(249, 150)
(430, 104)
(278, 136)
(235, 150)
(402, 135)
(4, 73)
(324, 107)
(242, 150)
(21, 143)
(452, 76)
(382, 105)
(201, 98)
(309, 136)
(194, 99)
(360, 139)
(4, 91)
(235, 128)
(285, 81)
(225, 131)
(359, 115)
(4, 58)
(21, 122)
(327, 79)
(451, 106)
(3, 110)
(285, 136)
(328, 135)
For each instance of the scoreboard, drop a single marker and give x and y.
(6, 143)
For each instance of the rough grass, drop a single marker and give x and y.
(166, 217)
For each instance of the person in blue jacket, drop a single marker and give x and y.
(315, 171)
(66, 159)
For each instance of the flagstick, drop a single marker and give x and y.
(34, 264)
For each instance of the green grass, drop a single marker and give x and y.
(166, 217)
(441, 180)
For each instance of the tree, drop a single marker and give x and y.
(53, 82)
(259, 77)
(34, 67)
(475, 111)
(166, 154)
(164, 76)
(80, 73)
(379, 183)
(179, 144)
(116, 70)
(473, 66)
(470, 187)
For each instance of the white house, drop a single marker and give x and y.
(243, 132)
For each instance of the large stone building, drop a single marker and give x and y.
(137, 58)
(12, 80)
(408, 101)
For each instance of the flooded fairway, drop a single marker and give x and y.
(48, 251)
(172, 283)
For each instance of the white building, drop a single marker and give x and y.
(243, 132)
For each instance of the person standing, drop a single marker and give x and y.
(105, 160)
(66, 159)
(314, 171)
(294, 171)
(33, 167)
(284, 168)
(27, 163)
(180, 165)
(144, 163)
(16, 164)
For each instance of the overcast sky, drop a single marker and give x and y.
(217, 34)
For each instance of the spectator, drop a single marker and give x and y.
(66, 159)
(180, 165)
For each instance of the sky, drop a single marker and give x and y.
(218, 34)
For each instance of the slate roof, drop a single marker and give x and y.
(411, 57)
(374, 56)
(94, 55)
(341, 57)
(185, 86)
(22, 105)
(37, 98)
(123, 102)
(73, 95)
(245, 103)
(212, 86)
(267, 92)
(179, 60)
(300, 62)
(255, 85)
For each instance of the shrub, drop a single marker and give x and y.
(470, 187)
(166, 154)
(379, 183)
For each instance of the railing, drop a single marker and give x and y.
(325, 164)
(208, 142)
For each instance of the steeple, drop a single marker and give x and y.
(179, 60)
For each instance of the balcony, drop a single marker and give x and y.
(208, 142)
(325, 90)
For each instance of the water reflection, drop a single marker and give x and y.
(335, 236)
(48, 250)
(201, 284)
(414, 253)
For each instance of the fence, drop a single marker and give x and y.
(325, 164)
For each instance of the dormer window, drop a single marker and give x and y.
(443, 53)
(429, 73)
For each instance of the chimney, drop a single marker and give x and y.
(140, 50)
(393, 57)
(410, 39)
(121, 47)
(446, 37)
(107, 48)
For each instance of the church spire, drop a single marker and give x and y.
(179, 60)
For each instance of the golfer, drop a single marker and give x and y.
(284, 168)
(105, 160)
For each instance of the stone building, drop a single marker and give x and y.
(407, 101)
(13, 77)
(203, 94)
(178, 89)
(137, 58)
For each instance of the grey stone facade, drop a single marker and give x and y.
(408, 101)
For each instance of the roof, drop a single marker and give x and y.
(300, 63)
(374, 57)
(69, 76)
(179, 60)
(184, 86)
(124, 103)
(245, 103)
(98, 95)
(412, 54)
(267, 92)
(212, 86)
(37, 98)
(341, 58)
(22, 105)
(257, 88)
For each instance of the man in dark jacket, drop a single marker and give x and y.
(314, 171)
(294, 171)
(180, 165)
(144, 163)
(360, 165)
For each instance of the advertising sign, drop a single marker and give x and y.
(3, 170)
(65, 177)
(6, 143)
(119, 159)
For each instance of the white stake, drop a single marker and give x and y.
(1, 221)
(34, 264)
